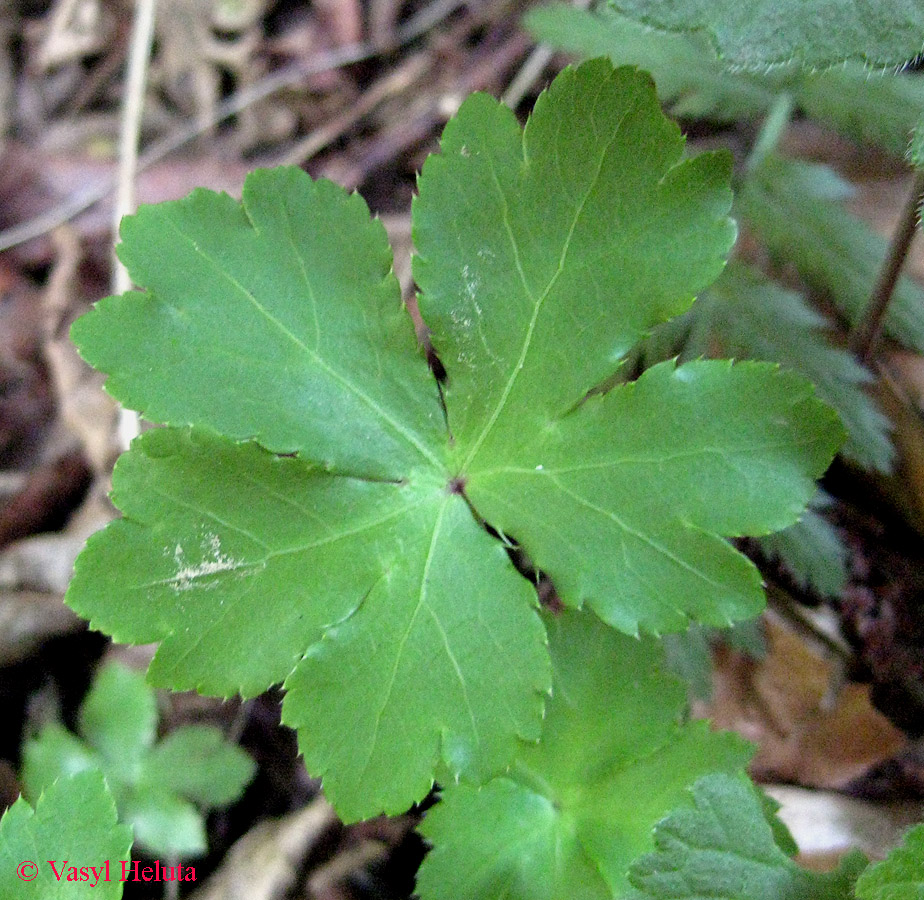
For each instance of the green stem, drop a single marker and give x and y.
(771, 131)
(866, 332)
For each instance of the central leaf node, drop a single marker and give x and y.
(456, 485)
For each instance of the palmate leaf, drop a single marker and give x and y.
(576, 809)
(74, 820)
(317, 524)
(757, 33)
(725, 848)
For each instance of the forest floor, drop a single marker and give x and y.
(358, 91)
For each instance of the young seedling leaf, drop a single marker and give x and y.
(725, 847)
(197, 762)
(74, 824)
(154, 785)
(757, 33)
(118, 718)
(575, 809)
(900, 876)
(164, 822)
(544, 256)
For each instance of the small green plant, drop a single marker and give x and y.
(162, 788)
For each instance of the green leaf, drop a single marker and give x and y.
(196, 761)
(164, 822)
(54, 753)
(554, 281)
(689, 78)
(900, 876)
(506, 288)
(755, 318)
(794, 208)
(578, 807)
(302, 278)
(724, 847)
(812, 550)
(544, 256)
(246, 556)
(645, 480)
(916, 150)
(868, 107)
(688, 655)
(759, 33)
(73, 820)
(118, 718)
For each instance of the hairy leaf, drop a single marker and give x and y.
(916, 149)
(758, 33)
(812, 550)
(900, 876)
(575, 809)
(73, 820)
(689, 78)
(794, 207)
(755, 318)
(544, 256)
(869, 107)
(725, 848)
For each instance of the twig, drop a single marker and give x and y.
(388, 86)
(866, 332)
(532, 69)
(139, 54)
(527, 75)
(277, 81)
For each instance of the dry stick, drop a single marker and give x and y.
(421, 22)
(388, 86)
(532, 69)
(139, 54)
(866, 332)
